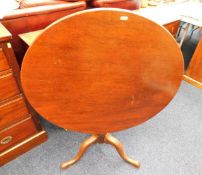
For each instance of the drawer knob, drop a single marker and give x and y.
(6, 140)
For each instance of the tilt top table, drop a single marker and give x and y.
(100, 71)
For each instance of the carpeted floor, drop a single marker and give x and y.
(168, 144)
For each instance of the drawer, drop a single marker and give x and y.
(172, 27)
(8, 85)
(17, 133)
(3, 62)
(12, 112)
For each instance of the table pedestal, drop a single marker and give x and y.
(107, 81)
(100, 138)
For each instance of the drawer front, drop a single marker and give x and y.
(8, 86)
(16, 134)
(172, 27)
(3, 62)
(12, 112)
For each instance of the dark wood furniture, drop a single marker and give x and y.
(169, 17)
(35, 15)
(28, 38)
(19, 129)
(171, 23)
(108, 74)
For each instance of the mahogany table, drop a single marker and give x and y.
(100, 71)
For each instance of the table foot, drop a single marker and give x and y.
(106, 138)
(117, 144)
(83, 147)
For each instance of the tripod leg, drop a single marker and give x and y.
(117, 144)
(83, 147)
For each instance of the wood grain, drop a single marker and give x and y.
(12, 112)
(17, 132)
(30, 37)
(11, 59)
(8, 85)
(22, 147)
(3, 61)
(101, 71)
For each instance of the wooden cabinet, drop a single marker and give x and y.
(172, 27)
(3, 62)
(194, 71)
(13, 111)
(19, 129)
(8, 85)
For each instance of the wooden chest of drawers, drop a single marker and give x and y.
(19, 128)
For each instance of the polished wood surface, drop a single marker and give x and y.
(164, 16)
(194, 71)
(8, 85)
(3, 62)
(22, 147)
(115, 70)
(30, 37)
(5, 35)
(13, 64)
(17, 133)
(19, 129)
(13, 111)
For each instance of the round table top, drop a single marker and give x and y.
(101, 70)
